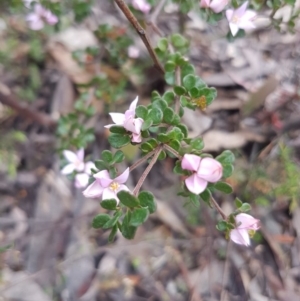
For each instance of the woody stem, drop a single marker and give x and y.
(147, 170)
(219, 209)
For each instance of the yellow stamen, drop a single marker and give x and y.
(235, 19)
(251, 233)
(114, 186)
(200, 102)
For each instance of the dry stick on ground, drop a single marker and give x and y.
(25, 111)
(141, 32)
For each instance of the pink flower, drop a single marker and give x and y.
(215, 5)
(82, 179)
(240, 18)
(133, 52)
(244, 224)
(205, 170)
(141, 5)
(40, 16)
(106, 187)
(76, 163)
(127, 120)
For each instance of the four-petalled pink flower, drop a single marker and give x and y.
(40, 16)
(129, 122)
(76, 163)
(205, 170)
(215, 5)
(106, 187)
(141, 5)
(240, 18)
(245, 223)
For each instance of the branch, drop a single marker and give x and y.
(25, 111)
(142, 160)
(147, 170)
(219, 209)
(141, 32)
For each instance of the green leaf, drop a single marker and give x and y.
(222, 226)
(118, 157)
(153, 142)
(227, 170)
(118, 141)
(147, 124)
(209, 93)
(175, 134)
(127, 230)
(146, 147)
(162, 44)
(162, 155)
(113, 233)
(189, 81)
(179, 90)
(175, 144)
(224, 187)
(227, 157)
(113, 220)
(141, 112)
(170, 66)
(169, 97)
(139, 216)
(205, 196)
(195, 92)
(146, 199)
(101, 165)
(127, 199)
(178, 40)
(178, 169)
(187, 69)
(160, 103)
(117, 129)
(238, 203)
(107, 156)
(245, 207)
(170, 78)
(109, 204)
(155, 95)
(169, 115)
(156, 115)
(100, 220)
(197, 143)
(163, 138)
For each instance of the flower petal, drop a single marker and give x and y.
(94, 190)
(229, 14)
(210, 170)
(246, 221)
(81, 180)
(240, 11)
(190, 162)
(195, 184)
(132, 106)
(88, 166)
(80, 154)
(70, 156)
(204, 3)
(233, 28)
(240, 237)
(117, 118)
(109, 194)
(122, 178)
(69, 168)
(136, 138)
(103, 177)
(218, 5)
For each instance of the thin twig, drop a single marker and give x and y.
(25, 111)
(173, 151)
(141, 32)
(141, 160)
(219, 209)
(147, 170)
(178, 83)
(156, 12)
